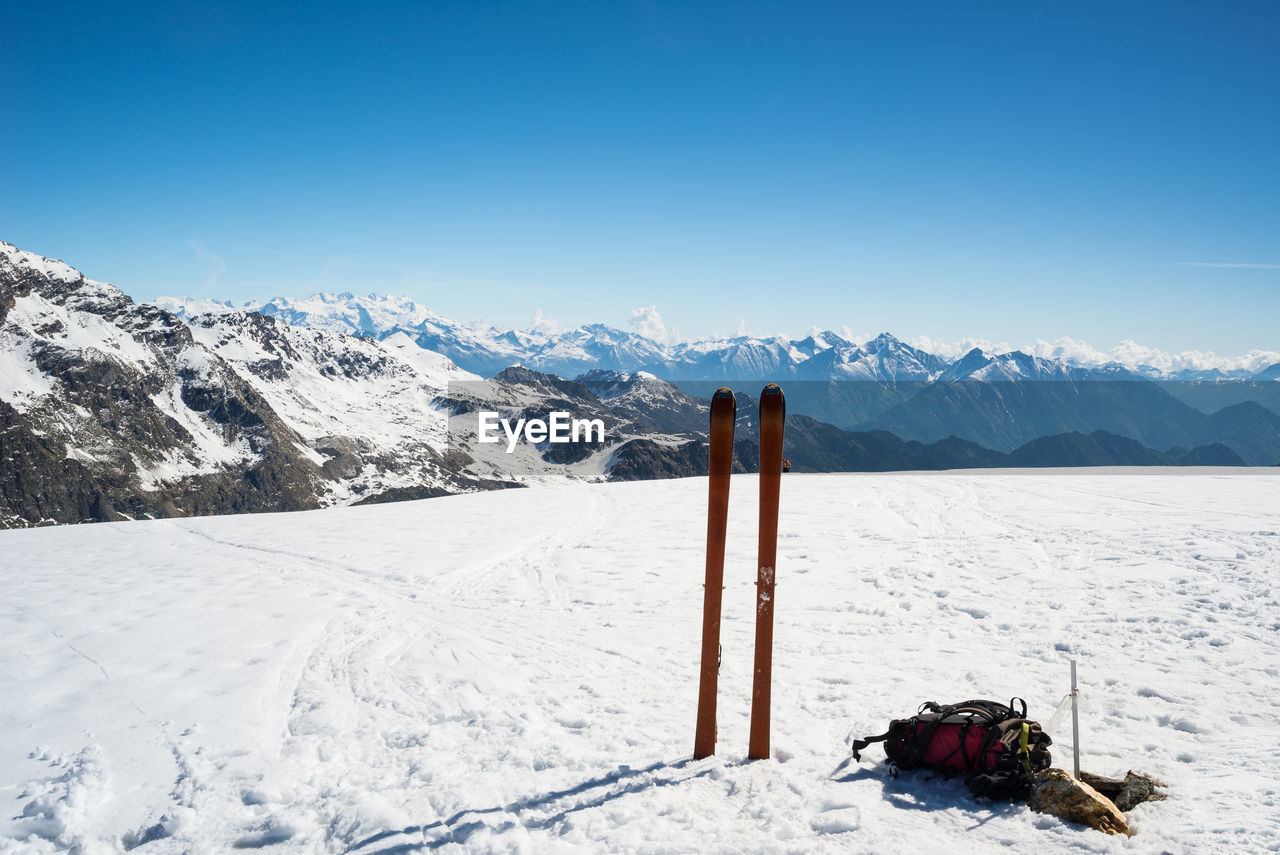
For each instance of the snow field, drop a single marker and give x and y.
(517, 671)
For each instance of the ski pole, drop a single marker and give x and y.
(1075, 720)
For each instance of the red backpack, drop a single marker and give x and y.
(992, 744)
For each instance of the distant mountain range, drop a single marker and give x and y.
(112, 409)
(486, 350)
(1000, 401)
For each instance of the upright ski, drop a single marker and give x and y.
(773, 410)
(723, 413)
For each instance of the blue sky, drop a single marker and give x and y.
(1005, 171)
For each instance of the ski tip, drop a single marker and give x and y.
(723, 405)
(771, 399)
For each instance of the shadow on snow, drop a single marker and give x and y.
(589, 794)
(921, 790)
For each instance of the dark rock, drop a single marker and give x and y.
(1126, 793)
(101, 510)
(405, 494)
(645, 460)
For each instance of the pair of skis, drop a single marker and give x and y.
(723, 415)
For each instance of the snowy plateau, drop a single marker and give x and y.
(516, 671)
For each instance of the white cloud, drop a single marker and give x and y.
(1069, 350)
(846, 332)
(956, 349)
(1131, 353)
(542, 324)
(212, 262)
(649, 324)
(1256, 360)
(1128, 353)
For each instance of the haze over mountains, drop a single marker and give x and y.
(113, 409)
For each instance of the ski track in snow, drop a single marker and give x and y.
(517, 671)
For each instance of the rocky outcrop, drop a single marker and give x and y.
(644, 460)
(40, 484)
(1056, 793)
(117, 413)
(1128, 792)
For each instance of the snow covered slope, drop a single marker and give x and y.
(108, 407)
(370, 409)
(516, 671)
(112, 409)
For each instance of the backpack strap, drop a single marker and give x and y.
(860, 744)
(976, 711)
(1023, 750)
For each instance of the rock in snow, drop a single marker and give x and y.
(1055, 792)
(1128, 792)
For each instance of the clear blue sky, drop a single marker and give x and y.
(1009, 171)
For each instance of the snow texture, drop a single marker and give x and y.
(517, 671)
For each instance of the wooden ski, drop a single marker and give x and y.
(773, 410)
(723, 413)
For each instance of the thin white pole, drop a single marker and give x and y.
(1075, 720)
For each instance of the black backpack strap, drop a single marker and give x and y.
(860, 744)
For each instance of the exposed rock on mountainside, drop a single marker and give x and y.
(644, 459)
(369, 411)
(111, 408)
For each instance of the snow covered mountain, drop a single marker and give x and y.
(112, 409)
(1269, 373)
(486, 350)
(108, 407)
(368, 412)
(823, 356)
(475, 347)
(883, 359)
(1017, 366)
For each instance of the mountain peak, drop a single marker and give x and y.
(1270, 373)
